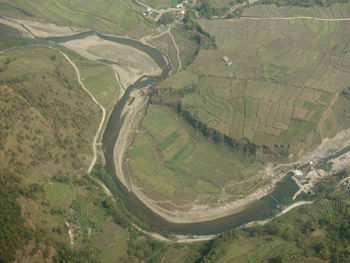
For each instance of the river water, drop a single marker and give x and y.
(258, 210)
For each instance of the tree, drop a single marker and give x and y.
(167, 18)
(108, 202)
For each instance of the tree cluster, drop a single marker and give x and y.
(167, 18)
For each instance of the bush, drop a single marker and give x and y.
(166, 18)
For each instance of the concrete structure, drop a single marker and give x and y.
(227, 61)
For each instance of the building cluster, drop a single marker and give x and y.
(180, 14)
(70, 232)
(148, 12)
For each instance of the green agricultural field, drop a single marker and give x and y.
(337, 10)
(285, 76)
(172, 161)
(100, 80)
(257, 250)
(187, 44)
(119, 17)
(158, 4)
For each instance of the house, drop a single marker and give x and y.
(182, 14)
(227, 61)
(148, 11)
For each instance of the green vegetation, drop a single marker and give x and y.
(100, 80)
(166, 18)
(46, 129)
(313, 233)
(274, 93)
(303, 3)
(165, 44)
(172, 160)
(44, 132)
(13, 232)
(187, 43)
(339, 116)
(202, 136)
(118, 17)
(159, 4)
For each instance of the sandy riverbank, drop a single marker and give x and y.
(129, 62)
(34, 28)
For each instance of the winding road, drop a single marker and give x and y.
(99, 129)
(176, 47)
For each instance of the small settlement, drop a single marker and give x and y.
(148, 12)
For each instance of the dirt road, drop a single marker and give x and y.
(99, 129)
(94, 143)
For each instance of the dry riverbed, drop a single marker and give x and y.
(129, 62)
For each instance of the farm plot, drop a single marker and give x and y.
(173, 162)
(99, 79)
(118, 17)
(283, 77)
(335, 11)
(186, 43)
(257, 250)
(158, 4)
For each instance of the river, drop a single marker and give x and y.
(258, 210)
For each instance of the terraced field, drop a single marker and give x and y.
(338, 10)
(158, 4)
(284, 76)
(173, 162)
(257, 250)
(118, 17)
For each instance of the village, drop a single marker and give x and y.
(307, 176)
(178, 10)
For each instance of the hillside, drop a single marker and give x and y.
(285, 77)
(120, 17)
(240, 154)
(47, 125)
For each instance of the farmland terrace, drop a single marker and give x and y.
(283, 84)
(213, 130)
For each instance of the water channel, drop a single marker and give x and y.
(258, 210)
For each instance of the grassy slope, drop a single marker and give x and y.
(170, 160)
(119, 17)
(45, 115)
(188, 46)
(47, 122)
(43, 162)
